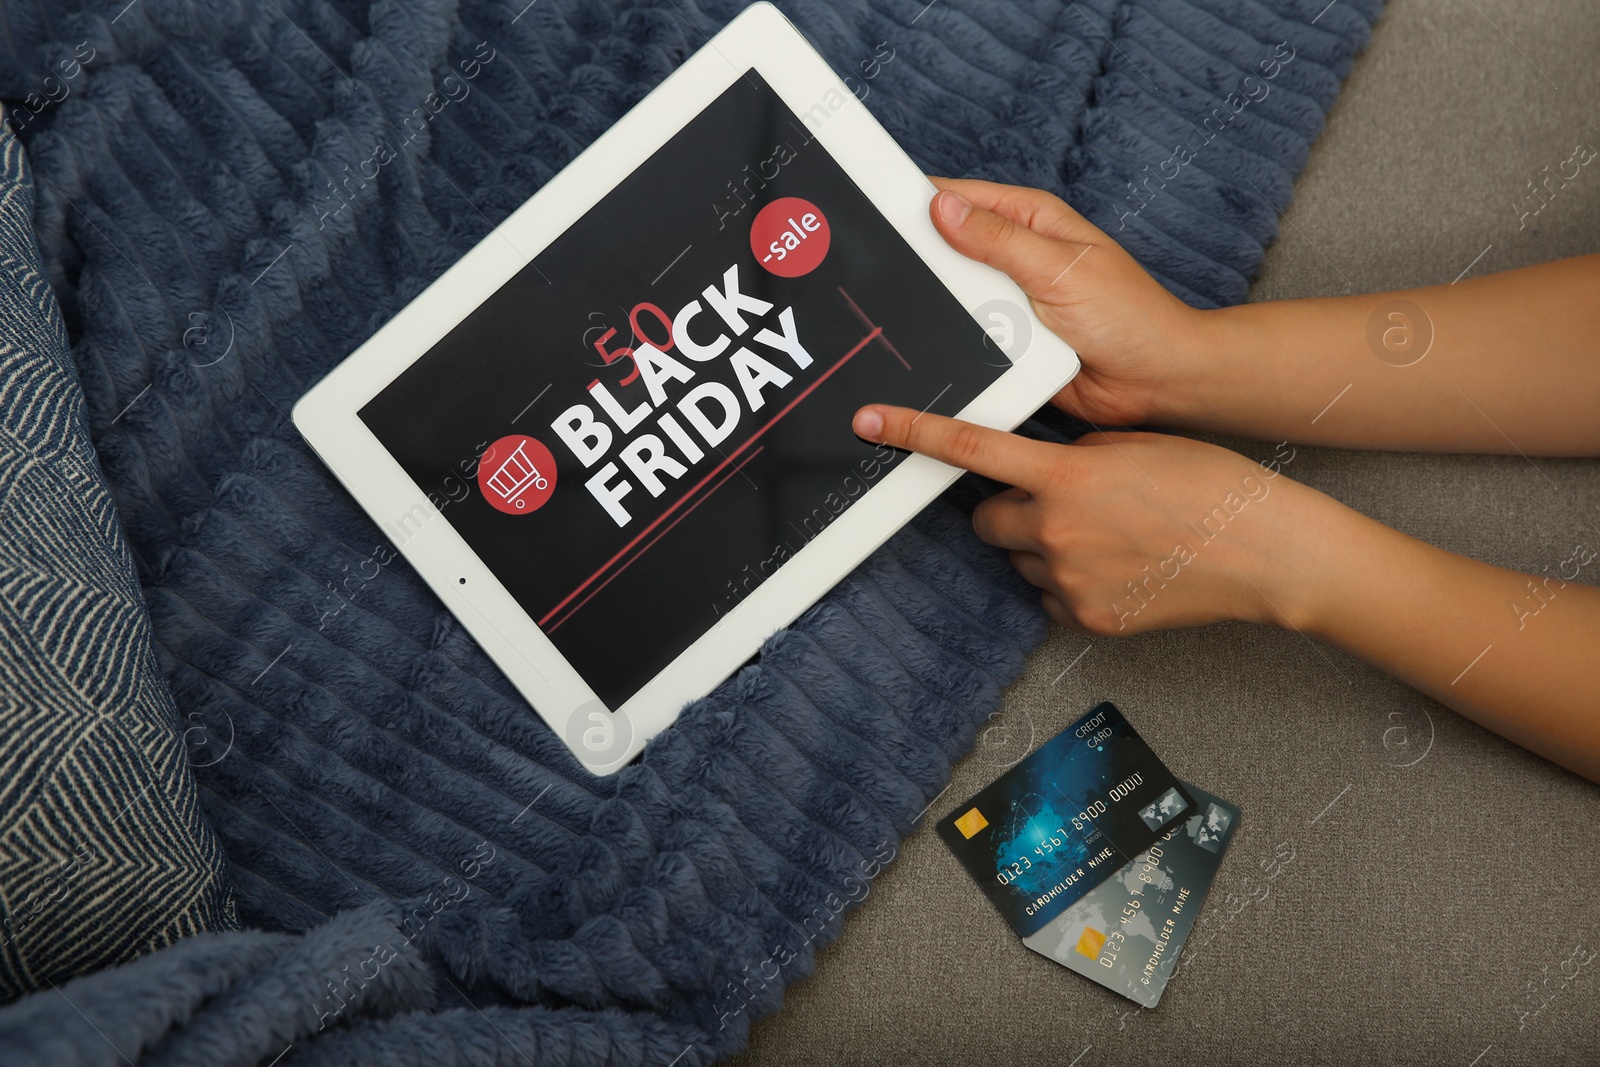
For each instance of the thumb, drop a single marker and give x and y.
(1035, 262)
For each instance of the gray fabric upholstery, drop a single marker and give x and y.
(1420, 911)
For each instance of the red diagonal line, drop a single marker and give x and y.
(890, 346)
(862, 315)
(648, 544)
(874, 335)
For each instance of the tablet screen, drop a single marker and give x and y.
(653, 416)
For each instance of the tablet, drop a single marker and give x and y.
(615, 438)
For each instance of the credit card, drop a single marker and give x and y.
(1127, 933)
(1065, 818)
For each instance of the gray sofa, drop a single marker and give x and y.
(1405, 887)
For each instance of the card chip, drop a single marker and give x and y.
(1091, 942)
(971, 823)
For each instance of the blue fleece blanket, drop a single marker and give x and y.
(429, 877)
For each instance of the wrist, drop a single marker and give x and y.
(1202, 390)
(1317, 547)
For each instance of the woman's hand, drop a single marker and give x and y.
(1131, 532)
(1128, 532)
(1138, 343)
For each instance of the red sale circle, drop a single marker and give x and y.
(516, 475)
(790, 236)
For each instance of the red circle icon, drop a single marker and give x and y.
(790, 236)
(516, 475)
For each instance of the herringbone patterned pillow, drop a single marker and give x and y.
(104, 853)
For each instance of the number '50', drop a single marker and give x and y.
(612, 355)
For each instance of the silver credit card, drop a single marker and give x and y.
(1127, 932)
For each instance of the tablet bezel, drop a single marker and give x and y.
(327, 416)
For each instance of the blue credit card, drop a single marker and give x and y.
(1127, 933)
(1065, 818)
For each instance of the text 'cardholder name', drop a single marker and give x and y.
(1127, 933)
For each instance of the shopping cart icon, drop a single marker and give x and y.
(513, 478)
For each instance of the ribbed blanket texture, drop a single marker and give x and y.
(429, 876)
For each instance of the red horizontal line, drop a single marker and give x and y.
(648, 545)
(877, 332)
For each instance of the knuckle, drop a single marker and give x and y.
(900, 431)
(1054, 538)
(1060, 467)
(1100, 621)
(964, 444)
(997, 229)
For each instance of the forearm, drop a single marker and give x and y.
(1512, 364)
(1519, 654)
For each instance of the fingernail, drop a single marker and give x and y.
(868, 424)
(953, 209)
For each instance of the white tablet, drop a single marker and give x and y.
(615, 437)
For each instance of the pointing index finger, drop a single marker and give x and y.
(1005, 457)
